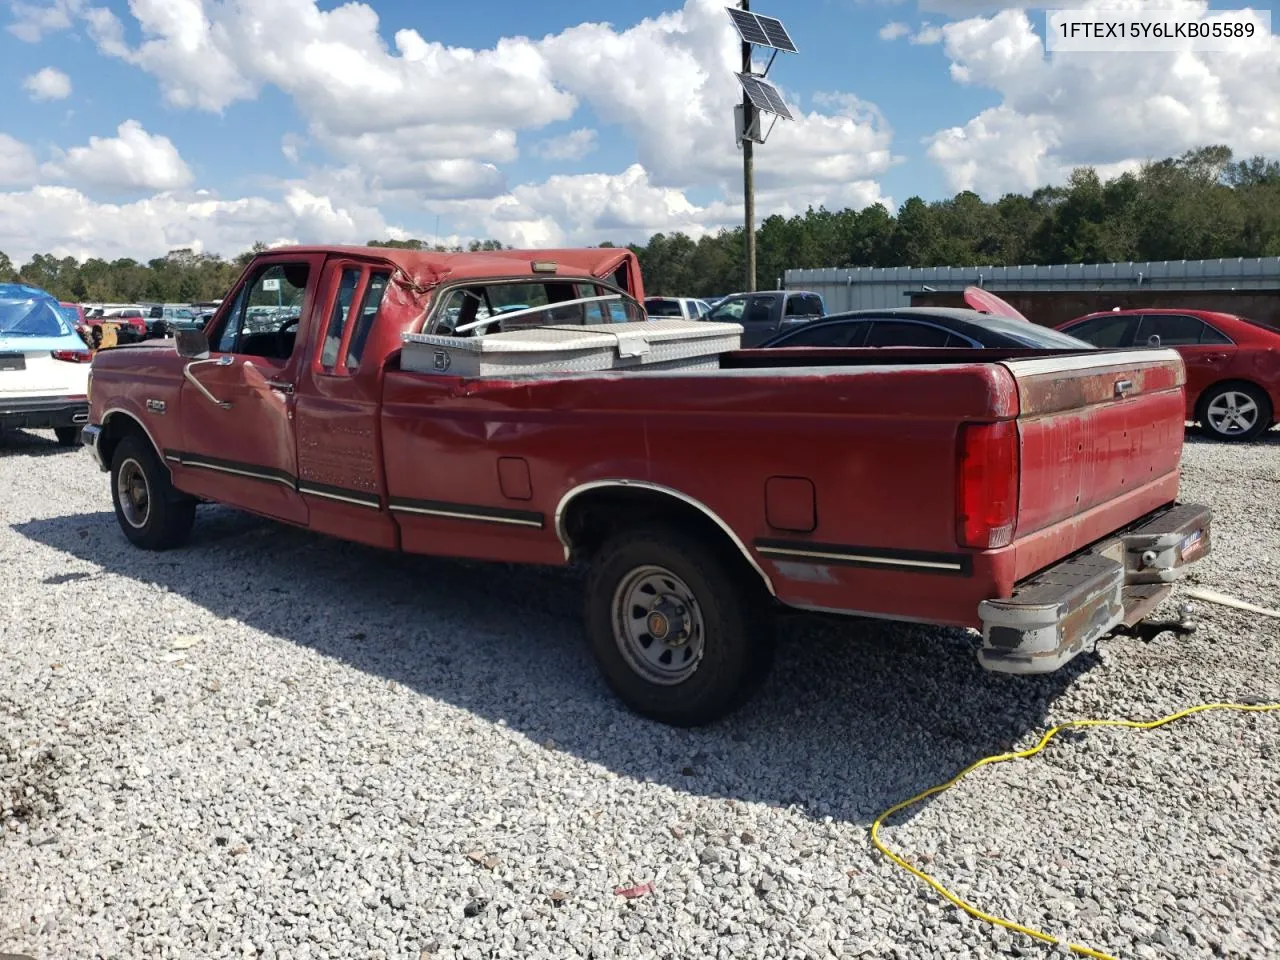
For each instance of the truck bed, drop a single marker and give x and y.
(852, 453)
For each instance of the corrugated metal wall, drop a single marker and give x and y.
(859, 288)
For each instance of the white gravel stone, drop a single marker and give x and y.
(378, 756)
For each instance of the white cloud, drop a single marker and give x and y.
(48, 84)
(31, 21)
(894, 30)
(134, 159)
(1107, 110)
(18, 165)
(413, 125)
(927, 35)
(572, 146)
(63, 221)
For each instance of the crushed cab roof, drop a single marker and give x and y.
(429, 268)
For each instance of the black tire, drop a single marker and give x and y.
(730, 605)
(67, 436)
(1223, 394)
(160, 517)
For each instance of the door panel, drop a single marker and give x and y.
(237, 407)
(760, 319)
(241, 454)
(340, 474)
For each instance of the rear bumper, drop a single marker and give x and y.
(1060, 612)
(42, 413)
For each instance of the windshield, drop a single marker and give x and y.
(31, 318)
(70, 314)
(1034, 335)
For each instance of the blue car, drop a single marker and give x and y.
(44, 365)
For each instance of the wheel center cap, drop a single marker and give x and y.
(658, 625)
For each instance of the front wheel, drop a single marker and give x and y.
(681, 634)
(1235, 411)
(152, 514)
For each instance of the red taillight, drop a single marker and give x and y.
(73, 356)
(987, 485)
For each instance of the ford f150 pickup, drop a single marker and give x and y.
(518, 406)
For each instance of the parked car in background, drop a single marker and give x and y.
(1233, 363)
(129, 320)
(765, 314)
(924, 327)
(175, 315)
(44, 365)
(73, 313)
(676, 308)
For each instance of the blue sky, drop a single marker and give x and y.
(313, 122)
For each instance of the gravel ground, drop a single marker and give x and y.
(272, 744)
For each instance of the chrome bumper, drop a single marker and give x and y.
(1062, 611)
(89, 437)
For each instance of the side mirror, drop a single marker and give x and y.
(191, 343)
(1153, 340)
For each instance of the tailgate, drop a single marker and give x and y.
(1096, 429)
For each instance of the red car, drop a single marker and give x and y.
(1233, 363)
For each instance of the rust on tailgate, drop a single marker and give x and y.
(1047, 393)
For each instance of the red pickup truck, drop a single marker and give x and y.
(518, 406)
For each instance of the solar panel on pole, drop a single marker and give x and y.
(749, 28)
(776, 33)
(764, 95)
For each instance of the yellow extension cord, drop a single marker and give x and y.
(1020, 755)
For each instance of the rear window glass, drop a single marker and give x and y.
(1034, 335)
(663, 308)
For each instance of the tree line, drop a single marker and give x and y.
(1202, 205)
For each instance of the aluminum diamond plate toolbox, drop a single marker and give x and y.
(648, 345)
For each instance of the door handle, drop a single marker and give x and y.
(280, 385)
(223, 361)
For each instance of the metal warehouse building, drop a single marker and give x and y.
(1053, 294)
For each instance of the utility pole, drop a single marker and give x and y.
(748, 169)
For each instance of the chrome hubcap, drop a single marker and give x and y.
(1232, 412)
(133, 494)
(658, 625)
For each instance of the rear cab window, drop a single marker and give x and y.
(662, 307)
(502, 306)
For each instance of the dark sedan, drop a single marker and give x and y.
(924, 327)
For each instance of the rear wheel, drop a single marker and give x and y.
(1235, 411)
(152, 514)
(67, 436)
(681, 633)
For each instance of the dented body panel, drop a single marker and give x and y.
(833, 473)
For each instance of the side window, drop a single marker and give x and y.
(729, 311)
(897, 333)
(263, 320)
(827, 335)
(1106, 331)
(1173, 329)
(803, 305)
(369, 307)
(1212, 335)
(338, 318)
(759, 310)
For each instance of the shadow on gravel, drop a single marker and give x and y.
(856, 716)
(26, 443)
